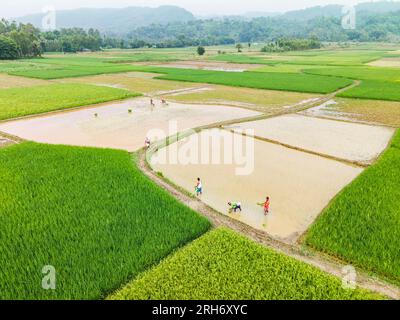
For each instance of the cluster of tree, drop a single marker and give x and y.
(282, 33)
(370, 27)
(71, 40)
(26, 41)
(183, 34)
(18, 40)
(282, 45)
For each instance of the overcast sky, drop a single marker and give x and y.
(16, 8)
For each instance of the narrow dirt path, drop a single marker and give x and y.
(178, 91)
(301, 253)
(7, 139)
(315, 153)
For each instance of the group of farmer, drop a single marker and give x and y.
(163, 102)
(234, 206)
(147, 141)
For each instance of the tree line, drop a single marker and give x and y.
(26, 41)
(371, 27)
(285, 44)
(280, 34)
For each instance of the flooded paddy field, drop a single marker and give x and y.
(353, 142)
(300, 184)
(120, 125)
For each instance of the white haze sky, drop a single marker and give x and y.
(16, 8)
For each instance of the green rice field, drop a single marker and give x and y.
(258, 80)
(56, 67)
(362, 225)
(223, 265)
(236, 58)
(377, 90)
(360, 73)
(112, 233)
(90, 213)
(322, 57)
(18, 102)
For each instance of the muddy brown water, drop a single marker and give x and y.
(300, 184)
(349, 141)
(112, 126)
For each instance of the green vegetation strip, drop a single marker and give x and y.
(378, 83)
(362, 225)
(375, 90)
(78, 66)
(90, 213)
(245, 59)
(396, 140)
(70, 71)
(312, 58)
(66, 67)
(359, 73)
(56, 68)
(17, 102)
(223, 265)
(259, 80)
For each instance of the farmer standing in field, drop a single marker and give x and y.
(199, 187)
(147, 142)
(266, 205)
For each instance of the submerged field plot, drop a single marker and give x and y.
(348, 141)
(300, 184)
(121, 125)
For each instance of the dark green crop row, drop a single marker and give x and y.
(90, 213)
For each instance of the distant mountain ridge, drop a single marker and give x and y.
(336, 10)
(117, 21)
(126, 20)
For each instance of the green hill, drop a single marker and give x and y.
(114, 21)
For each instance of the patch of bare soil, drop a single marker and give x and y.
(7, 81)
(386, 62)
(7, 140)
